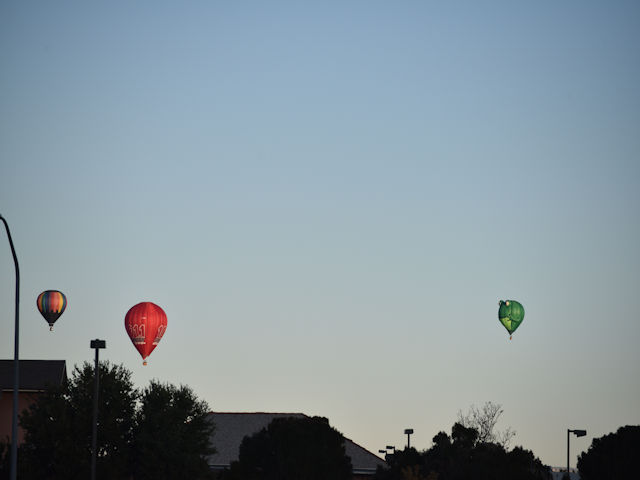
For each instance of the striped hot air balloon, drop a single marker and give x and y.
(51, 304)
(146, 323)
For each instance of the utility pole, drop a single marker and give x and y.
(16, 363)
(97, 345)
(408, 433)
(577, 433)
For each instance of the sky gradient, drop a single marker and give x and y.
(328, 200)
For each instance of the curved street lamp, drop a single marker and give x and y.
(577, 433)
(16, 363)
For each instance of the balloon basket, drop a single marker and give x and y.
(510, 337)
(144, 362)
(51, 328)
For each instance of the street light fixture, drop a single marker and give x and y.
(16, 363)
(387, 454)
(408, 432)
(97, 345)
(577, 433)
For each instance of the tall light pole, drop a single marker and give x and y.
(577, 433)
(408, 432)
(16, 363)
(97, 345)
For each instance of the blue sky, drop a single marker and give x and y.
(328, 199)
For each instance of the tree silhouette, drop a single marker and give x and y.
(462, 456)
(58, 426)
(484, 420)
(292, 448)
(403, 464)
(162, 431)
(612, 456)
(172, 434)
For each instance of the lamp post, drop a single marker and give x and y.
(387, 455)
(97, 345)
(408, 432)
(16, 363)
(577, 433)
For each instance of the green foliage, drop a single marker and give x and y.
(172, 434)
(462, 456)
(58, 427)
(612, 456)
(521, 460)
(163, 423)
(403, 464)
(292, 448)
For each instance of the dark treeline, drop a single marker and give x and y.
(462, 456)
(612, 456)
(160, 432)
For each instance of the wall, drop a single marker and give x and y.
(6, 411)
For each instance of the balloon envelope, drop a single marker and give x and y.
(146, 323)
(51, 304)
(511, 314)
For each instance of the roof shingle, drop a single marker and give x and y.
(34, 375)
(231, 428)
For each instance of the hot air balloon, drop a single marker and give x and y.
(146, 323)
(51, 304)
(510, 314)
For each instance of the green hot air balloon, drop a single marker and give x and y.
(510, 314)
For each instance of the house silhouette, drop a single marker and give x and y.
(34, 376)
(231, 428)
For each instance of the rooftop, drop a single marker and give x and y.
(231, 428)
(34, 375)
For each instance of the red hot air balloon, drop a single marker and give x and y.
(51, 304)
(146, 323)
